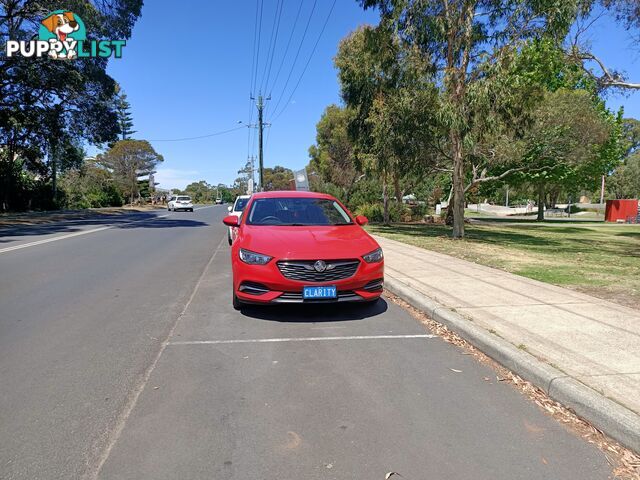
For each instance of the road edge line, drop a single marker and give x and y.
(615, 420)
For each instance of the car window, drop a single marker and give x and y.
(240, 204)
(184, 198)
(297, 212)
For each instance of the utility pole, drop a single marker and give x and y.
(252, 179)
(261, 124)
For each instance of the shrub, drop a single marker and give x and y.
(373, 211)
(399, 212)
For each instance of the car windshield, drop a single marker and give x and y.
(297, 212)
(184, 199)
(240, 204)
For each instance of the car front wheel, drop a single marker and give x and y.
(237, 304)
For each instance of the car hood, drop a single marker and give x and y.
(308, 243)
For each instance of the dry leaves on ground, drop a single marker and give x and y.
(625, 463)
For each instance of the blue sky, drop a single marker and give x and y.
(189, 75)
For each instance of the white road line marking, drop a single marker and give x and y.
(299, 339)
(123, 416)
(54, 239)
(83, 232)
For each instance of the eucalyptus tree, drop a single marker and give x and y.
(389, 90)
(77, 94)
(128, 160)
(457, 37)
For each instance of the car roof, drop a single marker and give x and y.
(291, 194)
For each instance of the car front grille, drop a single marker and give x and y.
(296, 297)
(305, 271)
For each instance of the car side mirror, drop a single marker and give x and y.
(229, 208)
(231, 221)
(362, 220)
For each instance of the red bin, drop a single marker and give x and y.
(624, 210)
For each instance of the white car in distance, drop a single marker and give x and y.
(181, 202)
(236, 210)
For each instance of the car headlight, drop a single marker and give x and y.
(253, 258)
(374, 257)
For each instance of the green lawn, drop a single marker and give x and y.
(599, 259)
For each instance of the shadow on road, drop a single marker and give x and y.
(314, 313)
(135, 220)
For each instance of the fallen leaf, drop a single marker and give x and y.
(391, 474)
(454, 370)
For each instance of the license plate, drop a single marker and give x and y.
(327, 291)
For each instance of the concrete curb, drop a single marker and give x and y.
(608, 416)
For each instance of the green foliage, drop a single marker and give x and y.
(367, 190)
(201, 192)
(128, 160)
(631, 135)
(277, 178)
(241, 183)
(125, 118)
(459, 39)
(89, 186)
(373, 211)
(332, 157)
(625, 180)
(70, 102)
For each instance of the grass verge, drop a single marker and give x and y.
(599, 259)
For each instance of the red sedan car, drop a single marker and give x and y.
(299, 247)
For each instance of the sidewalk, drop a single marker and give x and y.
(591, 340)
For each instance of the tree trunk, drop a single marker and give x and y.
(54, 176)
(396, 187)
(457, 205)
(541, 197)
(7, 174)
(385, 201)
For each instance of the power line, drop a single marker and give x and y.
(306, 28)
(313, 51)
(257, 56)
(286, 50)
(199, 136)
(253, 53)
(252, 75)
(272, 44)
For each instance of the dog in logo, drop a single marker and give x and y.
(61, 25)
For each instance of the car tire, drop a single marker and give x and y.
(191, 209)
(237, 304)
(229, 238)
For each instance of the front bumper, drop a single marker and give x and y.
(263, 284)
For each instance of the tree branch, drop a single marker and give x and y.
(608, 78)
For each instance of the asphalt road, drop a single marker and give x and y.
(122, 358)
